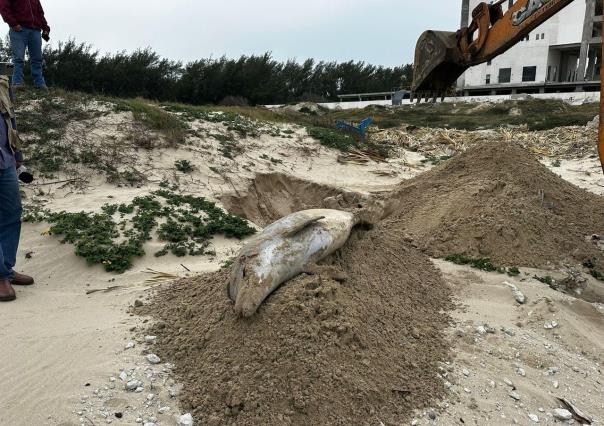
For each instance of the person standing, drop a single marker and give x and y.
(28, 27)
(10, 198)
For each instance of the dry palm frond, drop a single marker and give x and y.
(560, 143)
(385, 173)
(160, 277)
(360, 156)
(104, 290)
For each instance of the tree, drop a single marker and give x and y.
(257, 79)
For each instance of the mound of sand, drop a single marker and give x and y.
(497, 201)
(357, 343)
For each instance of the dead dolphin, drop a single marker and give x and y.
(282, 251)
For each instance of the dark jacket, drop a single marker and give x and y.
(27, 13)
(7, 114)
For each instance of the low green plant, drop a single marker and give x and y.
(227, 263)
(129, 177)
(162, 252)
(345, 142)
(271, 159)
(594, 272)
(332, 138)
(484, 264)
(241, 121)
(436, 160)
(184, 166)
(48, 121)
(166, 184)
(156, 118)
(189, 223)
(307, 110)
(229, 146)
(545, 280)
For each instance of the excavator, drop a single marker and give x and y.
(441, 57)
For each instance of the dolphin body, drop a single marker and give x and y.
(282, 251)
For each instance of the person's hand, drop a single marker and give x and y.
(46, 35)
(18, 28)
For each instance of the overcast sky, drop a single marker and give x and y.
(377, 31)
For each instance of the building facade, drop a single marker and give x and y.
(563, 54)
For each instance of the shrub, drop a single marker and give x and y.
(239, 101)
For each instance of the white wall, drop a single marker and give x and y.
(564, 28)
(570, 23)
(574, 98)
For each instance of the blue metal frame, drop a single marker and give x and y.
(360, 129)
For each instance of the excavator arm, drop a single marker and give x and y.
(442, 57)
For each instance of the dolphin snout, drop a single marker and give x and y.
(250, 297)
(236, 278)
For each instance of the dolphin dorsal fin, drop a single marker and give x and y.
(301, 224)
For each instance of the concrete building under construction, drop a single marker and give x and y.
(562, 55)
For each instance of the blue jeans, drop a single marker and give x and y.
(10, 221)
(31, 39)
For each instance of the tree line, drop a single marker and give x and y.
(255, 79)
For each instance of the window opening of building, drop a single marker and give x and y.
(505, 75)
(488, 79)
(529, 73)
(597, 30)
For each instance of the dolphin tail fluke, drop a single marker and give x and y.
(235, 279)
(302, 224)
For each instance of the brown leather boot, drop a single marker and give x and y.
(7, 292)
(20, 279)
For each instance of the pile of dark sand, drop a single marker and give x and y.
(497, 201)
(358, 343)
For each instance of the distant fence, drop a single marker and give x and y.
(575, 98)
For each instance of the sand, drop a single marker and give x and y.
(57, 339)
(359, 350)
(564, 362)
(498, 201)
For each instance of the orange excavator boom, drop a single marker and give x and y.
(442, 57)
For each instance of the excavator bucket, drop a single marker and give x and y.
(438, 64)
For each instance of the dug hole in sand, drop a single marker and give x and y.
(366, 340)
